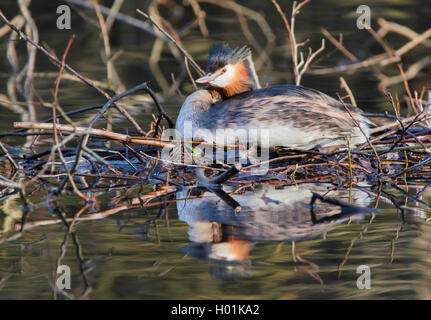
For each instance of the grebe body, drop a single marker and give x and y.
(292, 117)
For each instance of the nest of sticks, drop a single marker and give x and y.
(83, 158)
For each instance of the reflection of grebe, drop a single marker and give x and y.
(295, 117)
(220, 235)
(212, 242)
(268, 214)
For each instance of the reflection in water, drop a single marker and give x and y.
(133, 247)
(222, 235)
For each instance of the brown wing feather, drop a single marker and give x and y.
(299, 107)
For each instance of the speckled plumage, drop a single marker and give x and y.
(294, 117)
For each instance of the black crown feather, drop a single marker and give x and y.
(221, 54)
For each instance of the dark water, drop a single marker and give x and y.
(199, 248)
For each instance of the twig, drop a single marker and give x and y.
(226, 198)
(121, 17)
(221, 178)
(310, 58)
(5, 29)
(9, 183)
(200, 16)
(12, 161)
(406, 84)
(96, 132)
(112, 75)
(363, 132)
(162, 112)
(28, 85)
(387, 26)
(115, 9)
(54, 115)
(301, 68)
(291, 38)
(409, 45)
(346, 87)
(381, 59)
(338, 45)
(411, 72)
(389, 51)
(250, 14)
(184, 52)
(424, 116)
(411, 168)
(70, 69)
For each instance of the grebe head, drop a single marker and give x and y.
(227, 71)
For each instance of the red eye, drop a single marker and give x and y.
(224, 70)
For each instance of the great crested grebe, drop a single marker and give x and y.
(293, 117)
(219, 234)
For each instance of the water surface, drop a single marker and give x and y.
(191, 244)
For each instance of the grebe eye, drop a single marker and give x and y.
(223, 70)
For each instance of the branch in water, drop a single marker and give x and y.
(221, 178)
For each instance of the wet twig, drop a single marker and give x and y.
(219, 179)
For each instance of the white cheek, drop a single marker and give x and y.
(224, 79)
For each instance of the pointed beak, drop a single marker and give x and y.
(206, 78)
